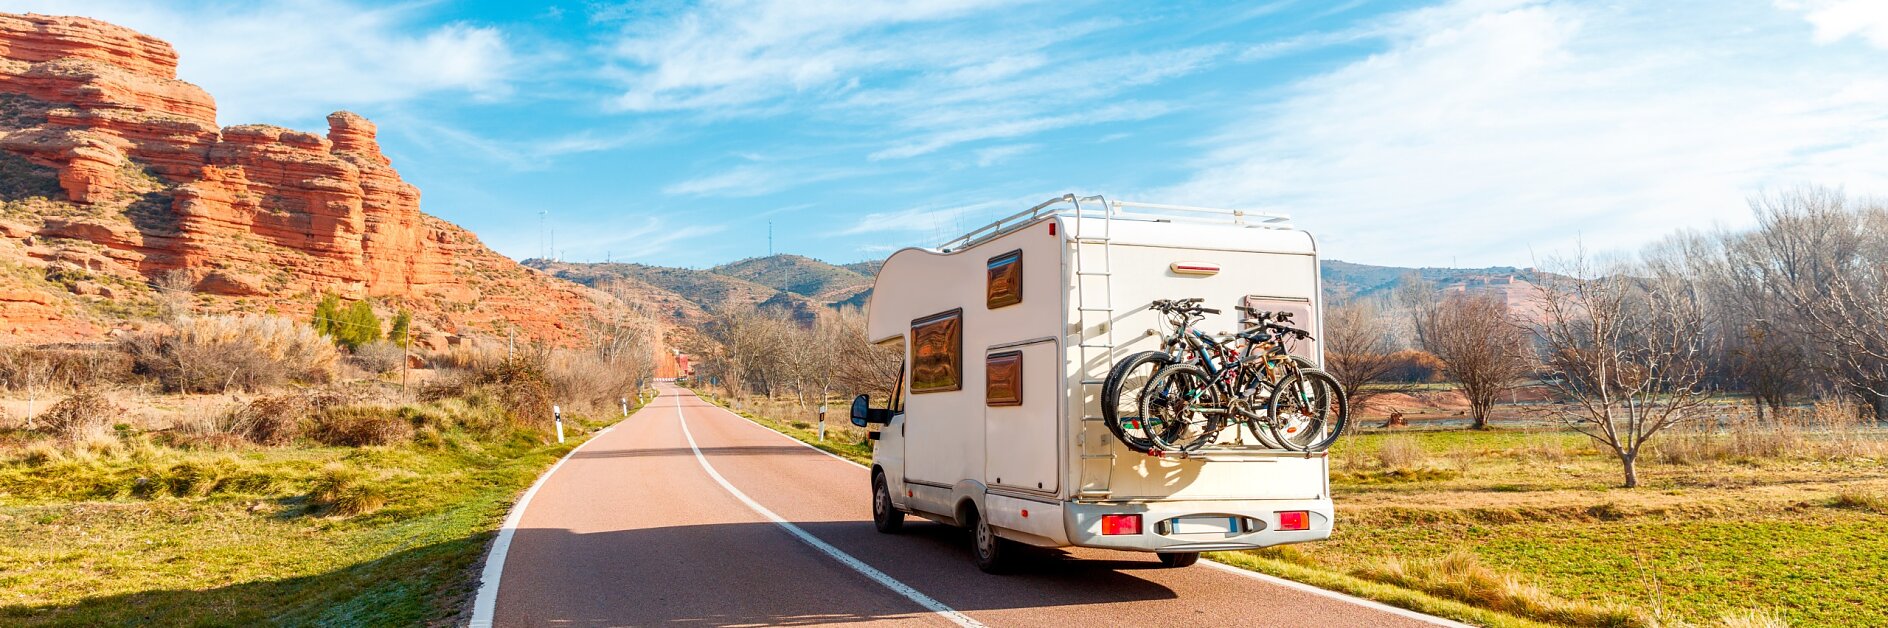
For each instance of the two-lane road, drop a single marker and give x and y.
(685, 514)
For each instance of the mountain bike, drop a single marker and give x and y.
(1247, 378)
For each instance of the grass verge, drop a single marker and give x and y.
(296, 536)
(845, 443)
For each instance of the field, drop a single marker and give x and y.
(1746, 525)
(127, 530)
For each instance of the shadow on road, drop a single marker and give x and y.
(719, 575)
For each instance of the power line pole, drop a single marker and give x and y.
(770, 238)
(544, 247)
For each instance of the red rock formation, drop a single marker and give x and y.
(251, 211)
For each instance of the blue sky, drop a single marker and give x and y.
(1475, 132)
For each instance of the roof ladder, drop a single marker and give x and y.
(1094, 304)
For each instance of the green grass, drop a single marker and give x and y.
(155, 535)
(840, 442)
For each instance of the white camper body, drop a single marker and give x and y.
(1028, 454)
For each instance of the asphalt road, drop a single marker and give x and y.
(635, 529)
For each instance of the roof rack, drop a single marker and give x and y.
(1071, 205)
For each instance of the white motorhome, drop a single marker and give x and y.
(1008, 333)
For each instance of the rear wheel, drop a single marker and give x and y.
(886, 516)
(1179, 559)
(991, 551)
(1182, 408)
(1121, 397)
(1308, 411)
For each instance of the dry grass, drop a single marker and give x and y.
(357, 426)
(1861, 500)
(23, 368)
(84, 417)
(277, 419)
(1461, 576)
(1828, 430)
(1400, 452)
(220, 353)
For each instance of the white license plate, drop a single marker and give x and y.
(1204, 525)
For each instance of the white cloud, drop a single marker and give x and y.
(994, 155)
(1836, 20)
(910, 78)
(748, 180)
(290, 61)
(1489, 129)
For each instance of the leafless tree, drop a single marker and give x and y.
(1825, 259)
(1626, 345)
(1360, 350)
(1482, 350)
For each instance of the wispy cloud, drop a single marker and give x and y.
(1836, 20)
(756, 179)
(1493, 127)
(288, 61)
(522, 155)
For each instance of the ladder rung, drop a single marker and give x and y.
(1094, 274)
(1096, 382)
(1087, 346)
(1095, 309)
(1097, 456)
(1093, 240)
(1095, 419)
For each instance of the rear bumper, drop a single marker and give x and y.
(1250, 525)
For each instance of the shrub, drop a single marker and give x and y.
(342, 491)
(23, 368)
(216, 353)
(378, 357)
(82, 417)
(357, 426)
(276, 420)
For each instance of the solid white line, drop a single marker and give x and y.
(486, 604)
(875, 575)
(1293, 584)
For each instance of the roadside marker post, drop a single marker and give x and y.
(557, 415)
(822, 421)
(625, 402)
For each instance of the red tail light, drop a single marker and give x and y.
(1294, 520)
(1116, 525)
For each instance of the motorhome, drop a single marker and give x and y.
(1008, 333)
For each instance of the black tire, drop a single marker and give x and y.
(1182, 408)
(1179, 559)
(885, 516)
(1258, 397)
(1312, 418)
(1121, 397)
(991, 552)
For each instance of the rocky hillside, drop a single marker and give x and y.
(115, 177)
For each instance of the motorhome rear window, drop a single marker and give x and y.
(937, 352)
(1003, 379)
(1006, 280)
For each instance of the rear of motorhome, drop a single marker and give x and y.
(1008, 333)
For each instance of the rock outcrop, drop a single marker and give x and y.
(113, 167)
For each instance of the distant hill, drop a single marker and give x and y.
(802, 286)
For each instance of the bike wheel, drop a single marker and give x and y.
(1121, 398)
(1182, 408)
(1308, 411)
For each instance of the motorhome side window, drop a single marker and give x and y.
(1006, 280)
(1003, 379)
(937, 352)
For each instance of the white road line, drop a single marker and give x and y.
(875, 575)
(1291, 584)
(1300, 586)
(486, 604)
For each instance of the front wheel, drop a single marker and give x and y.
(1308, 411)
(885, 516)
(1179, 559)
(1182, 408)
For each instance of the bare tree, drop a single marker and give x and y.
(1825, 259)
(1360, 350)
(1626, 345)
(1482, 350)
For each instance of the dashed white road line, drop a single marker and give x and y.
(946, 612)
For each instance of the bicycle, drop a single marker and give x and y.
(1192, 401)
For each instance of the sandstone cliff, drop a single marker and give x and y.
(114, 176)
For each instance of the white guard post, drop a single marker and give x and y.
(557, 414)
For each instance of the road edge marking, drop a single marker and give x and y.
(926, 601)
(1342, 597)
(1291, 584)
(485, 604)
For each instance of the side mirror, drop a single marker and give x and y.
(861, 410)
(864, 415)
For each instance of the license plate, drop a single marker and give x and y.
(1204, 525)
